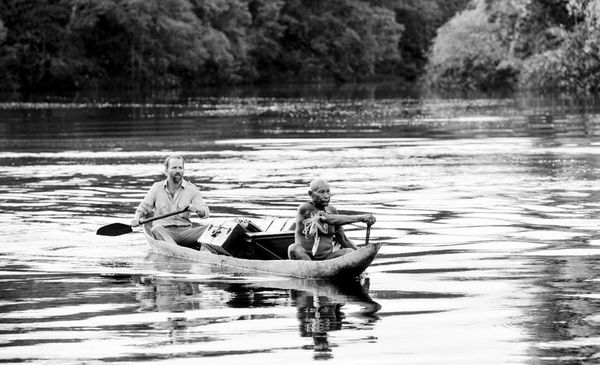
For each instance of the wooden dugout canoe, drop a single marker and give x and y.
(348, 266)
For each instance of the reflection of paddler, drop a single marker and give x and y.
(318, 316)
(322, 350)
(178, 329)
(172, 296)
(175, 296)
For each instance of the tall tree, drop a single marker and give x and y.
(420, 20)
(468, 53)
(551, 45)
(264, 36)
(339, 39)
(147, 41)
(225, 36)
(33, 54)
(7, 58)
(2, 32)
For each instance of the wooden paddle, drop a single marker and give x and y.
(368, 234)
(117, 229)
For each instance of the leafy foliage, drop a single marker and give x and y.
(36, 49)
(77, 43)
(420, 19)
(2, 32)
(552, 45)
(147, 41)
(345, 39)
(468, 52)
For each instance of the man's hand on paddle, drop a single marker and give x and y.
(369, 219)
(198, 210)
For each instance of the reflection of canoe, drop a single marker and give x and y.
(349, 265)
(339, 291)
(348, 291)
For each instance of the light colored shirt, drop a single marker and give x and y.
(159, 200)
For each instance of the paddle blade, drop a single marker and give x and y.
(115, 229)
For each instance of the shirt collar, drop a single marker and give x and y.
(183, 183)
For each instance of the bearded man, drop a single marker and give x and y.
(170, 195)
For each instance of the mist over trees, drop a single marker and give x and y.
(69, 44)
(551, 45)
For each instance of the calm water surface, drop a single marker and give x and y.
(487, 208)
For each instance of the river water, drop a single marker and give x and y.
(487, 208)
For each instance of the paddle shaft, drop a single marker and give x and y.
(368, 234)
(144, 221)
(117, 229)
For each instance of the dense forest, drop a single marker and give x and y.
(473, 44)
(550, 45)
(69, 44)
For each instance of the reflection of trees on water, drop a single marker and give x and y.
(564, 324)
(553, 128)
(558, 322)
(555, 119)
(543, 127)
(320, 305)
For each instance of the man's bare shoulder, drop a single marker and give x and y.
(331, 209)
(305, 207)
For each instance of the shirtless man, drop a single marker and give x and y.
(319, 226)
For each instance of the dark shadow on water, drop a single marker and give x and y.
(290, 90)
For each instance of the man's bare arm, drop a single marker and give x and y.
(343, 240)
(342, 219)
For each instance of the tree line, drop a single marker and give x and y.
(70, 44)
(551, 45)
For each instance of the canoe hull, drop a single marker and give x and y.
(349, 265)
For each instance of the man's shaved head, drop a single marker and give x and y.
(317, 184)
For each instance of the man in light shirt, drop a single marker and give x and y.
(170, 195)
